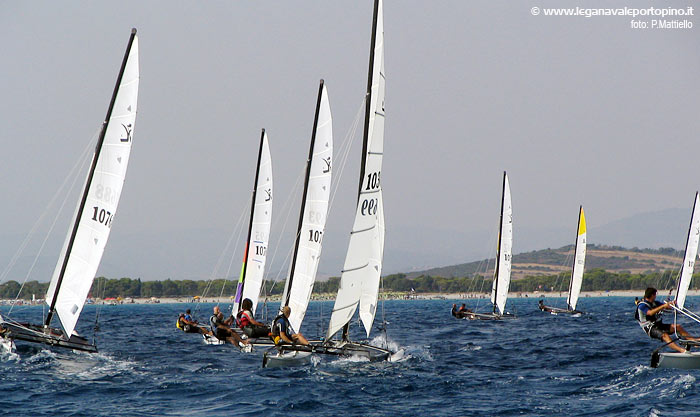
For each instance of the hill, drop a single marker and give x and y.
(554, 261)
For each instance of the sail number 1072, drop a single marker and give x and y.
(102, 216)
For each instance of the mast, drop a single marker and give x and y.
(86, 189)
(368, 112)
(498, 248)
(573, 267)
(239, 292)
(687, 241)
(288, 287)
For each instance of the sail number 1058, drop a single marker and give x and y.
(102, 216)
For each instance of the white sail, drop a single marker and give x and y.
(579, 262)
(314, 215)
(100, 206)
(501, 282)
(359, 280)
(691, 252)
(256, 250)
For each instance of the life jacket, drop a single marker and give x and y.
(243, 319)
(275, 329)
(177, 324)
(643, 320)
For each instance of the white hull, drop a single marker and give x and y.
(676, 360)
(286, 359)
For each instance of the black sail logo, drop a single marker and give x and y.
(127, 131)
(269, 194)
(327, 169)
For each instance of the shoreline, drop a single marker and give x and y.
(388, 296)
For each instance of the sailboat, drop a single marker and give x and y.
(504, 255)
(688, 360)
(89, 230)
(311, 226)
(576, 272)
(360, 277)
(253, 268)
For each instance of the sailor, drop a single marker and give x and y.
(541, 304)
(188, 325)
(454, 310)
(282, 331)
(247, 322)
(221, 329)
(463, 309)
(648, 315)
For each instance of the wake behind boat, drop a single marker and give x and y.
(576, 273)
(89, 231)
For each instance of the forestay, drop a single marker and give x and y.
(253, 268)
(579, 262)
(691, 252)
(314, 213)
(102, 197)
(359, 280)
(501, 282)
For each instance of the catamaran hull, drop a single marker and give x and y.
(487, 316)
(24, 332)
(561, 311)
(676, 360)
(286, 359)
(261, 341)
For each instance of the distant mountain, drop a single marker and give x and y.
(553, 261)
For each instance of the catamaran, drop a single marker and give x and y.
(361, 274)
(504, 255)
(312, 223)
(89, 231)
(688, 360)
(576, 272)
(255, 254)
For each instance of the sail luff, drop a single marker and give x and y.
(499, 294)
(691, 252)
(579, 262)
(313, 213)
(494, 290)
(261, 228)
(102, 188)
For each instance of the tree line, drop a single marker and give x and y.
(594, 280)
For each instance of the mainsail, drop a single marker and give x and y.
(314, 210)
(691, 252)
(359, 280)
(579, 262)
(501, 279)
(253, 268)
(89, 231)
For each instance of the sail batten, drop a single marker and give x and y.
(691, 253)
(359, 285)
(579, 263)
(313, 213)
(88, 233)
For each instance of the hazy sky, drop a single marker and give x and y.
(578, 110)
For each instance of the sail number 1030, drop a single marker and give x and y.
(102, 216)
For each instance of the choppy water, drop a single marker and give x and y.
(537, 364)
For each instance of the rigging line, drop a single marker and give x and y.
(345, 149)
(233, 257)
(85, 158)
(78, 164)
(491, 244)
(221, 257)
(288, 206)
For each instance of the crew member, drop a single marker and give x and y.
(282, 331)
(648, 315)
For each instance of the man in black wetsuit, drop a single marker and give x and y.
(648, 315)
(221, 329)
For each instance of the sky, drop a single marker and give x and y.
(577, 110)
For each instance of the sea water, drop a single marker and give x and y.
(536, 364)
